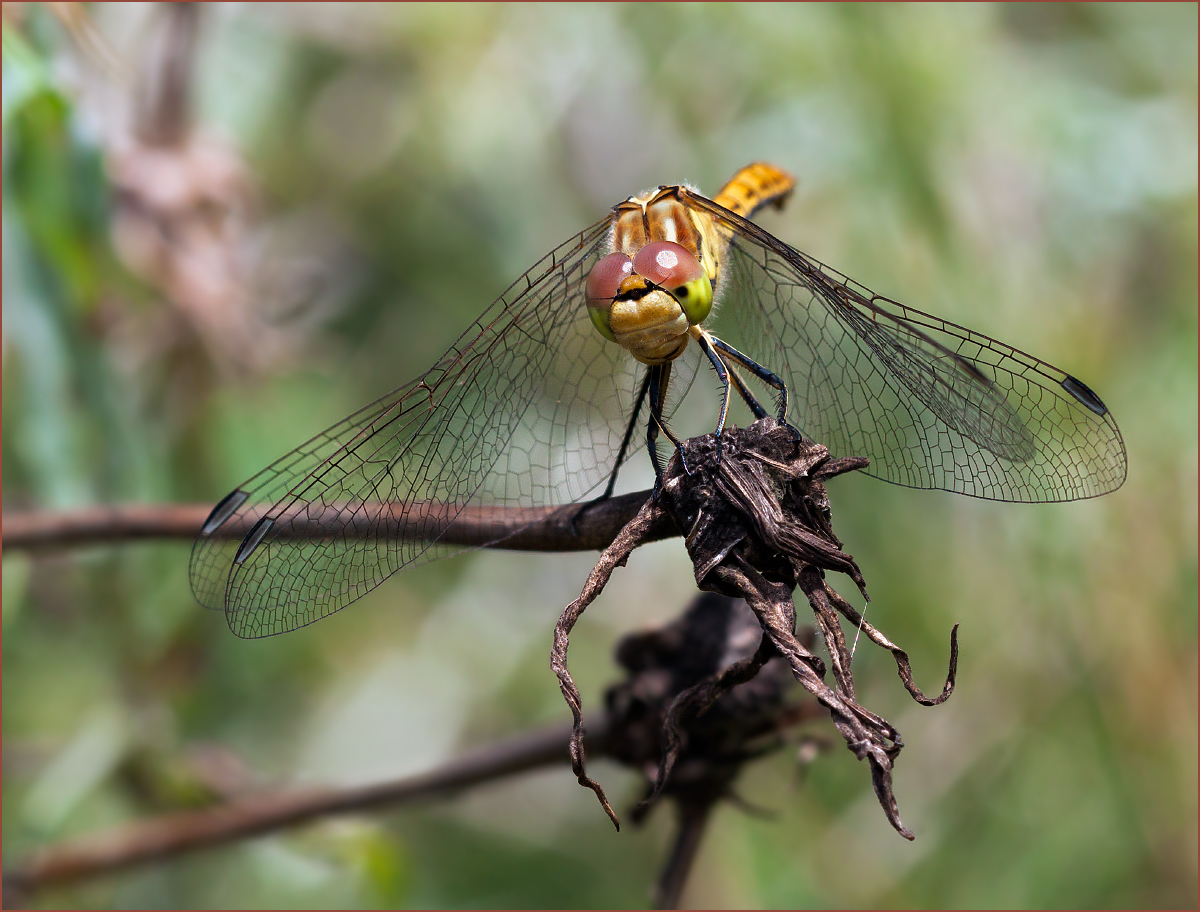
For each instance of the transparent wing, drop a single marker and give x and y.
(930, 403)
(528, 408)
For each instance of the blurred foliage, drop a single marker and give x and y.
(1028, 170)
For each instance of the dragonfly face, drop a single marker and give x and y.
(531, 407)
(648, 303)
(659, 281)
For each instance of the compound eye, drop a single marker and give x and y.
(667, 264)
(605, 279)
(603, 282)
(671, 266)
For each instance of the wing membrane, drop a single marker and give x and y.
(930, 403)
(529, 406)
(526, 409)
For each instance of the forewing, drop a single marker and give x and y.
(526, 409)
(930, 403)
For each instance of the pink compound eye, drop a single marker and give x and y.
(605, 278)
(667, 264)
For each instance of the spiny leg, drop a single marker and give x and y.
(612, 478)
(747, 396)
(660, 377)
(766, 376)
(722, 374)
(637, 410)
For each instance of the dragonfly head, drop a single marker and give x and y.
(648, 302)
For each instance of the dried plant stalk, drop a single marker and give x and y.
(755, 514)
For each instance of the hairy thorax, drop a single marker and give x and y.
(648, 320)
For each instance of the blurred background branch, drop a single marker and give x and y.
(155, 839)
(747, 722)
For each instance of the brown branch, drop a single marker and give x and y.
(151, 840)
(163, 95)
(692, 822)
(99, 525)
(567, 528)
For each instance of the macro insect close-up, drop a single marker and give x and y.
(838, 359)
(531, 408)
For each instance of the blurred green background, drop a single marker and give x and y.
(359, 183)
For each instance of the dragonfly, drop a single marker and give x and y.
(540, 400)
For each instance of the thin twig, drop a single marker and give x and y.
(614, 556)
(569, 528)
(175, 834)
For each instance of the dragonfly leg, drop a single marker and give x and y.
(660, 376)
(722, 374)
(612, 478)
(770, 379)
(633, 419)
(747, 396)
